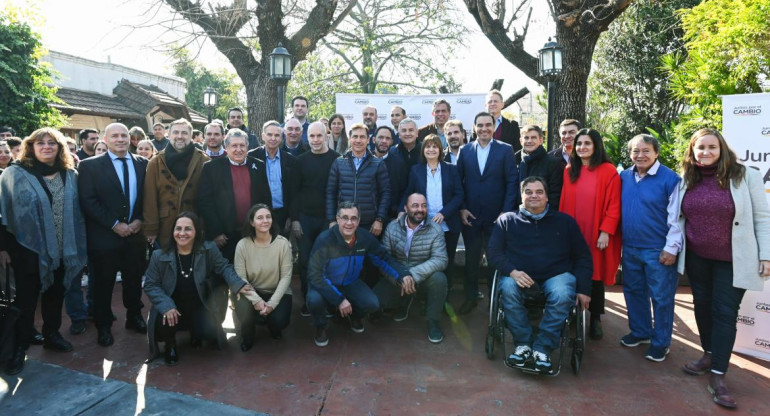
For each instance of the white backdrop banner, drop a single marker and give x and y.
(418, 107)
(746, 127)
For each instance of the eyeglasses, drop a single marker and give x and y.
(346, 219)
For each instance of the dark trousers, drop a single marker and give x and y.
(370, 274)
(276, 321)
(360, 296)
(596, 307)
(716, 303)
(197, 320)
(311, 228)
(27, 273)
(475, 239)
(451, 239)
(130, 261)
(280, 215)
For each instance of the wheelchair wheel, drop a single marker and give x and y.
(575, 361)
(579, 342)
(489, 345)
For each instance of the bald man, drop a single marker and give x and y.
(293, 138)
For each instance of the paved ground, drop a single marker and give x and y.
(389, 369)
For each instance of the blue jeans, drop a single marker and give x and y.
(76, 308)
(645, 280)
(560, 297)
(434, 286)
(357, 293)
(716, 302)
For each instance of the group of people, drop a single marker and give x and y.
(376, 214)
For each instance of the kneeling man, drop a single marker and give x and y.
(538, 246)
(418, 244)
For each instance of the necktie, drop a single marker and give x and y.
(125, 178)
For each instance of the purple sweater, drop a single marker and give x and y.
(709, 211)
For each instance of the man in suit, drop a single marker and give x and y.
(441, 112)
(505, 130)
(397, 171)
(110, 188)
(455, 137)
(281, 170)
(229, 187)
(489, 176)
(567, 132)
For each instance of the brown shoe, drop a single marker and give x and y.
(719, 392)
(699, 366)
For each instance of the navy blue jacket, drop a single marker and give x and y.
(333, 263)
(369, 188)
(541, 248)
(451, 191)
(494, 191)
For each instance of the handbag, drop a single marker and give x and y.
(9, 314)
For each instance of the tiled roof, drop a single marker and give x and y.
(86, 102)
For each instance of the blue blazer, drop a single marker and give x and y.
(451, 191)
(494, 191)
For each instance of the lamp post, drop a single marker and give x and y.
(280, 72)
(551, 68)
(210, 98)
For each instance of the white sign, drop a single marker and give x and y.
(418, 107)
(746, 127)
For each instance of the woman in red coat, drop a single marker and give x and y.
(591, 195)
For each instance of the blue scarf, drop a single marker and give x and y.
(532, 216)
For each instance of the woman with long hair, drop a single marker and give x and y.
(338, 138)
(726, 224)
(146, 149)
(179, 282)
(5, 155)
(263, 258)
(136, 134)
(43, 236)
(591, 195)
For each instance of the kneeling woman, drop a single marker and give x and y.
(263, 259)
(178, 282)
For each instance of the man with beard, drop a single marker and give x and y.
(308, 214)
(171, 183)
(418, 245)
(88, 140)
(215, 134)
(397, 171)
(455, 137)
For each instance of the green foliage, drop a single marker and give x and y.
(318, 80)
(628, 89)
(728, 52)
(24, 80)
(199, 78)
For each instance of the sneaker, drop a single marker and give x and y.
(656, 354)
(321, 339)
(542, 361)
(304, 311)
(118, 278)
(403, 311)
(435, 335)
(629, 340)
(357, 325)
(520, 356)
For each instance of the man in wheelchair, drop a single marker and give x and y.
(539, 246)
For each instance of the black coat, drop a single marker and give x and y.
(216, 198)
(103, 202)
(289, 174)
(547, 167)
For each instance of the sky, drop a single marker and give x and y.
(106, 35)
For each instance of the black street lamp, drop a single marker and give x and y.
(280, 72)
(210, 98)
(551, 68)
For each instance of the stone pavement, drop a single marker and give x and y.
(389, 369)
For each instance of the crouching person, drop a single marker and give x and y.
(419, 245)
(334, 272)
(538, 246)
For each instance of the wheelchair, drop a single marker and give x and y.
(573, 334)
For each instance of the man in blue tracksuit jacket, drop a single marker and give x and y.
(335, 267)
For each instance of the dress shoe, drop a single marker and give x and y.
(596, 332)
(54, 341)
(246, 345)
(699, 366)
(719, 391)
(276, 334)
(136, 323)
(196, 342)
(105, 338)
(16, 363)
(171, 356)
(467, 307)
(37, 338)
(78, 327)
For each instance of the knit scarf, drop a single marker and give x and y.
(177, 161)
